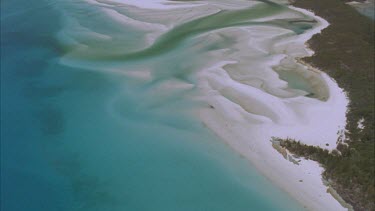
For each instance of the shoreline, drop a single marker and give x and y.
(305, 184)
(345, 51)
(306, 176)
(238, 113)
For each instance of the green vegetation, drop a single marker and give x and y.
(345, 51)
(349, 171)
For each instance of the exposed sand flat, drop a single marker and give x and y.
(247, 115)
(247, 73)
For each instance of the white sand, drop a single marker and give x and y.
(247, 114)
(242, 82)
(361, 124)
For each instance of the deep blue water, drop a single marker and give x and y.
(63, 148)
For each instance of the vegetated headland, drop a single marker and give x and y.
(345, 51)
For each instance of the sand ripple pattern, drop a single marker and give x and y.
(237, 61)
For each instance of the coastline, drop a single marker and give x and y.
(318, 196)
(364, 7)
(345, 51)
(228, 120)
(303, 181)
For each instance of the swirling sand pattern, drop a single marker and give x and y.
(235, 62)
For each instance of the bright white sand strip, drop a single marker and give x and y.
(246, 117)
(249, 102)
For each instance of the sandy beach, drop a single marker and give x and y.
(255, 90)
(187, 105)
(247, 119)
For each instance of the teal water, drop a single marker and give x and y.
(75, 139)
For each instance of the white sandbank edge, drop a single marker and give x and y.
(226, 121)
(236, 127)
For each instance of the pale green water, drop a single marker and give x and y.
(366, 8)
(81, 133)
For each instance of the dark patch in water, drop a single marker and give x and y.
(51, 120)
(38, 91)
(88, 81)
(89, 192)
(28, 72)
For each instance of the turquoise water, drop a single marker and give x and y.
(367, 8)
(75, 139)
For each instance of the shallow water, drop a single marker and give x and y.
(365, 8)
(97, 116)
